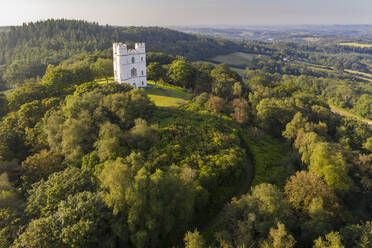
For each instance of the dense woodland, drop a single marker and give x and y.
(258, 160)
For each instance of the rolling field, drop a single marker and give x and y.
(354, 44)
(235, 59)
(237, 69)
(364, 75)
(312, 39)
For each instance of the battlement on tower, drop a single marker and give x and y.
(122, 49)
(140, 47)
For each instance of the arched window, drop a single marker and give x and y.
(142, 73)
(133, 72)
(134, 85)
(142, 82)
(133, 59)
(141, 58)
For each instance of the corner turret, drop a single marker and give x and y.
(140, 47)
(120, 49)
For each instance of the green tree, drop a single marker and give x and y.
(9, 197)
(332, 240)
(247, 221)
(201, 99)
(222, 89)
(165, 201)
(215, 104)
(327, 162)
(182, 73)
(102, 68)
(141, 136)
(57, 78)
(75, 128)
(60, 77)
(108, 144)
(279, 238)
(156, 72)
(194, 240)
(27, 93)
(298, 122)
(9, 226)
(368, 144)
(241, 112)
(304, 186)
(40, 166)
(156, 207)
(21, 70)
(237, 89)
(82, 220)
(273, 114)
(45, 196)
(305, 143)
(223, 72)
(357, 236)
(117, 176)
(3, 105)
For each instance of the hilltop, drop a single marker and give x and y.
(251, 156)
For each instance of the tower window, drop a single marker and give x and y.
(141, 58)
(142, 82)
(142, 73)
(133, 60)
(133, 72)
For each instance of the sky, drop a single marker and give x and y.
(189, 12)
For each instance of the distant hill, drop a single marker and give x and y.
(30, 48)
(289, 33)
(52, 41)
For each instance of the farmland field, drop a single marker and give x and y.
(235, 59)
(354, 44)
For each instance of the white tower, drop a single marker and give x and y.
(130, 65)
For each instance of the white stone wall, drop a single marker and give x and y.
(126, 61)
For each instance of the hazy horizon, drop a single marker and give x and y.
(192, 13)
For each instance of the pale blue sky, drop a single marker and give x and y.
(190, 12)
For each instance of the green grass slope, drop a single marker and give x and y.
(165, 95)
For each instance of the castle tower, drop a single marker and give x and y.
(130, 64)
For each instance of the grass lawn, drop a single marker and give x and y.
(163, 95)
(269, 160)
(167, 96)
(103, 80)
(354, 44)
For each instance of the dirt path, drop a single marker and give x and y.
(343, 112)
